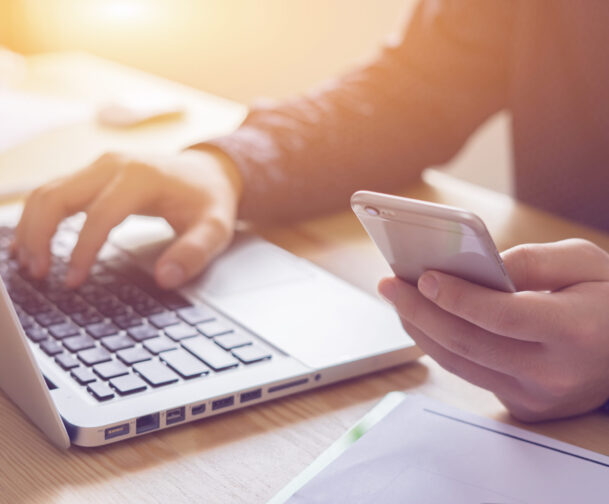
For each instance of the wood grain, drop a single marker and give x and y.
(248, 455)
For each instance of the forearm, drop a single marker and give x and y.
(377, 127)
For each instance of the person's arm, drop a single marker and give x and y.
(378, 127)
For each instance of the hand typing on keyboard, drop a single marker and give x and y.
(197, 192)
(118, 333)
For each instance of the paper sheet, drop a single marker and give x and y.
(424, 452)
(26, 115)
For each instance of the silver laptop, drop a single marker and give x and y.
(119, 358)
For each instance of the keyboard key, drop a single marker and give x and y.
(36, 334)
(251, 353)
(160, 344)
(147, 307)
(94, 356)
(50, 318)
(25, 319)
(163, 319)
(88, 317)
(155, 373)
(117, 342)
(64, 330)
(210, 353)
(184, 363)
(128, 320)
(110, 369)
(131, 356)
(195, 314)
(102, 329)
(131, 294)
(78, 343)
(100, 391)
(59, 294)
(35, 306)
(172, 300)
(180, 331)
(144, 332)
(213, 328)
(71, 305)
(66, 361)
(51, 347)
(92, 292)
(112, 308)
(128, 384)
(232, 340)
(83, 375)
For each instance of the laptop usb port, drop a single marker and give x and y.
(225, 402)
(146, 423)
(251, 395)
(198, 409)
(175, 416)
(117, 430)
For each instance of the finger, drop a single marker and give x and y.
(191, 252)
(499, 383)
(117, 201)
(527, 316)
(51, 203)
(460, 337)
(553, 266)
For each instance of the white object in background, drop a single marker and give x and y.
(134, 109)
(425, 452)
(13, 67)
(23, 115)
(17, 190)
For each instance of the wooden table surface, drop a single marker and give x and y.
(248, 455)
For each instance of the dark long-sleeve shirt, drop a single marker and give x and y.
(459, 62)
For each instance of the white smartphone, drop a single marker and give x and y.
(415, 236)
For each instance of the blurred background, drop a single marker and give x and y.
(239, 49)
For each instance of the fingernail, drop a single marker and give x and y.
(73, 277)
(388, 291)
(170, 275)
(428, 285)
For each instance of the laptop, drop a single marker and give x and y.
(119, 357)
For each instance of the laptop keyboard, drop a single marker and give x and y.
(119, 334)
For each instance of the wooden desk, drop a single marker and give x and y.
(248, 455)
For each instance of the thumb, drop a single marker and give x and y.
(553, 266)
(191, 252)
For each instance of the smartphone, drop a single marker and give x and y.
(415, 236)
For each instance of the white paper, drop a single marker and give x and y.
(23, 116)
(424, 452)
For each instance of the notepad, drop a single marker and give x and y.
(416, 450)
(26, 115)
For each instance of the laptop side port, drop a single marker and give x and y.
(147, 423)
(117, 430)
(250, 395)
(175, 415)
(198, 409)
(225, 402)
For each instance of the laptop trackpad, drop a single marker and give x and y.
(249, 264)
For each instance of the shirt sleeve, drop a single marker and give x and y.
(379, 126)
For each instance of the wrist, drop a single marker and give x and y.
(226, 164)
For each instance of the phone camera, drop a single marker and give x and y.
(370, 210)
